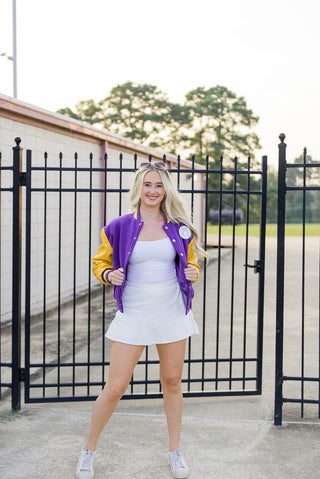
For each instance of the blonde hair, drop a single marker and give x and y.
(172, 204)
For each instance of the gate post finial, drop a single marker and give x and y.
(282, 137)
(17, 140)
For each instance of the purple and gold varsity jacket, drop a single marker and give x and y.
(118, 239)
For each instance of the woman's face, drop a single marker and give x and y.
(152, 190)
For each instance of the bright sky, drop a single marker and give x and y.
(266, 51)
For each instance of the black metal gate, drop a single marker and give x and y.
(298, 289)
(66, 354)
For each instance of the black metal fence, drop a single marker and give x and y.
(66, 312)
(298, 297)
(11, 214)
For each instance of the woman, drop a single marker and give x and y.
(149, 256)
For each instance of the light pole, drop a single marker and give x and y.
(13, 58)
(14, 46)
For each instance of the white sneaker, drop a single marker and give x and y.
(179, 468)
(85, 465)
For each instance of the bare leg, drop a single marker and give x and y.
(123, 360)
(171, 357)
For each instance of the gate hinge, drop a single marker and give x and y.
(23, 178)
(21, 373)
(257, 266)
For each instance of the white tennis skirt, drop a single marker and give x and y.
(152, 314)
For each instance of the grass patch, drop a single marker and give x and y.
(11, 415)
(312, 229)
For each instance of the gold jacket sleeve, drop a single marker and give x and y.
(102, 261)
(192, 258)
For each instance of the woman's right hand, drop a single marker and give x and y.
(116, 277)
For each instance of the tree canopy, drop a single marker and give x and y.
(221, 123)
(213, 121)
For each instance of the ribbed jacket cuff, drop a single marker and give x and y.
(105, 275)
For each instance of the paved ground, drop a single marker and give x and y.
(222, 437)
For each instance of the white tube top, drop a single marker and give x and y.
(152, 262)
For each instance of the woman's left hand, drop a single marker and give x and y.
(191, 272)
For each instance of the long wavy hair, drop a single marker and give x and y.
(171, 205)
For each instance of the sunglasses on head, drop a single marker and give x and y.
(158, 165)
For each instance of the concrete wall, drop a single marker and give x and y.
(42, 131)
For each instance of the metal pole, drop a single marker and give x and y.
(280, 280)
(14, 47)
(262, 253)
(16, 278)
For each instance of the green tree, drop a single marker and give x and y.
(272, 196)
(294, 199)
(175, 133)
(143, 113)
(221, 126)
(86, 110)
(134, 111)
(228, 181)
(221, 123)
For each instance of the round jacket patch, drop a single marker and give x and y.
(184, 232)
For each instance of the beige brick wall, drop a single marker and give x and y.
(53, 143)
